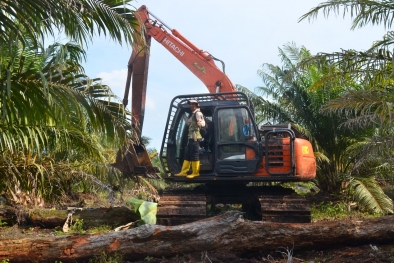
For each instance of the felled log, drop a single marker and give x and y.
(7, 214)
(50, 218)
(227, 232)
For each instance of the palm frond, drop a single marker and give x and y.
(364, 107)
(367, 192)
(79, 19)
(362, 12)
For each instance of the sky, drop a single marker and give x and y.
(244, 34)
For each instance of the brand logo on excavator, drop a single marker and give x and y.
(172, 45)
(202, 69)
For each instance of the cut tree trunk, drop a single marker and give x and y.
(227, 232)
(50, 218)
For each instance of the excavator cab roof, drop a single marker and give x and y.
(213, 99)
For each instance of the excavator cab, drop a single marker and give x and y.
(231, 147)
(238, 155)
(235, 149)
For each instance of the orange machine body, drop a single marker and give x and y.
(281, 162)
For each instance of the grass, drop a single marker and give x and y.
(287, 254)
(79, 227)
(107, 258)
(1, 225)
(99, 229)
(329, 211)
(326, 211)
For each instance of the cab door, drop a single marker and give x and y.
(238, 148)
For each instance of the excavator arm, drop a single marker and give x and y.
(135, 159)
(198, 61)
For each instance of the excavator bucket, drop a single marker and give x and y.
(134, 160)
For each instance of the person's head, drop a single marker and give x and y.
(193, 104)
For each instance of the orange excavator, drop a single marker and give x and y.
(240, 163)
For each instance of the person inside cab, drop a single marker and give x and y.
(195, 122)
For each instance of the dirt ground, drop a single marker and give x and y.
(371, 253)
(363, 253)
(379, 253)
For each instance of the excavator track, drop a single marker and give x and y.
(269, 204)
(178, 207)
(282, 205)
(285, 209)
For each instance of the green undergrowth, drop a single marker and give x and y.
(325, 211)
(79, 227)
(146, 210)
(2, 224)
(107, 258)
(99, 229)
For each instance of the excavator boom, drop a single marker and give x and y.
(199, 62)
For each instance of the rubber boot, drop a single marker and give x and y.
(185, 169)
(196, 170)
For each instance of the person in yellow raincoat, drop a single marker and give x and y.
(195, 122)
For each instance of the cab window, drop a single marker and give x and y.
(181, 132)
(234, 127)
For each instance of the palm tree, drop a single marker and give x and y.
(295, 95)
(23, 25)
(370, 104)
(372, 69)
(53, 117)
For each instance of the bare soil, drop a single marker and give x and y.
(363, 253)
